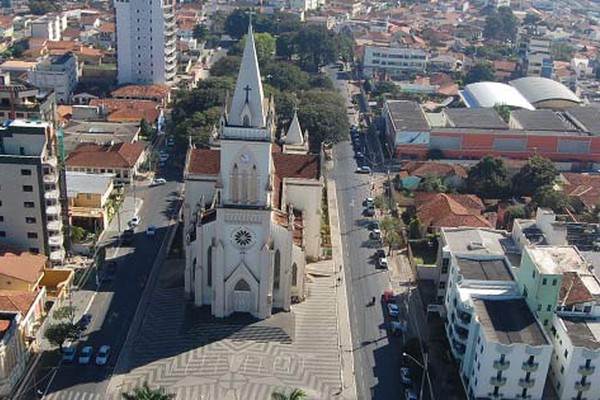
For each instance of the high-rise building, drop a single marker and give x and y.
(145, 41)
(30, 208)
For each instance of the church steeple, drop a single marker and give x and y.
(247, 105)
(294, 134)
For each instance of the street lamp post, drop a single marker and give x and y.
(423, 367)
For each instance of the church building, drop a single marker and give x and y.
(252, 208)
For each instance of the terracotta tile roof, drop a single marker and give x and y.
(449, 210)
(64, 113)
(120, 155)
(573, 290)
(584, 187)
(107, 27)
(24, 266)
(507, 66)
(142, 91)
(4, 325)
(6, 21)
(204, 162)
(126, 110)
(37, 42)
(281, 218)
(67, 45)
(89, 52)
(422, 169)
(20, 301)
(72, 33)
(296, 166)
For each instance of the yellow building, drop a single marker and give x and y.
(21, 271)
(88, 194)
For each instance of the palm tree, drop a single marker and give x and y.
(145, 392)
(295, 394)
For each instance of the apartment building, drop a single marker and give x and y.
(502, 350)
(394, 62)
(30, 208)
(21, 100)
(59, 74)
(48, 27)
(146, 41)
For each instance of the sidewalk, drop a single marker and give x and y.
(344, 331)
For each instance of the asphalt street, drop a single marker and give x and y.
(376, 356)
(114, 305)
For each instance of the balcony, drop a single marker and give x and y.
(530, 367)
(55, 225)
(53, 210)
(57, 256)
(586, 371)
(51, 161)
(501, 365)
(526, 383)
(582, 387)
(56, 239)
(461, 333)
(495, 381)
(50, 178)
(458, 347)
(52, 194)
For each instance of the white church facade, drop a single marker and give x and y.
(252, 208)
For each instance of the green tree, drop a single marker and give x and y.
(286, 76)
(145, 392)
(65, 312)
(547, 197)
(414, 229)
(323, 114)
(295, 394)
(514, 212)
(316, 46)
(531, 19)
(503, 111)
(226, 66)
(265, 46)
(146, 129)
(501, 25)
(539, 171)
(42, 7)
(200, 32)
(391, 232)
(432, 183)
(480, 72)
(58, 333)
(562, 51)
(78, 234)
(489, 178)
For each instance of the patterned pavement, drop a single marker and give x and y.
(225, 360)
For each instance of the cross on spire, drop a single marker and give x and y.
(247, 89)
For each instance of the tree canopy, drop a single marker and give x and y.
(145, 392)
(265, 47)
(295, 394)
(538, 172)
(546, 196)
(489, 178)
(323, 114)
(480, 72)
(42, 7)
(501, 25)
(432, 183)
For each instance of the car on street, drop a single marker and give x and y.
(135, 221)
(170, 141)
(405, 376)
(151, 230)
(389, 296)
(365, 169)
(368, 201)
(382, 262)
(103, 355)
(158, 182)
(85, 355)
(392, 310)
(84, 321)
(359, 154)
(397, 327)
(410, 394)
(374, 225)
(163, 157)
(69, 354)
(127, 236)
(375, 234)
(369, 211)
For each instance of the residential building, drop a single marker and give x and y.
(146, 42)
(413, 173)
(245, 194)
(46, 27)
(502, 350)
(158, 93)
(21, 100)
(88, 196)
(121, 159)
(393, 62)
(30, 207)
(80, 130)
(60, 74)
(21, 270)
(125, 110)
(13, 351)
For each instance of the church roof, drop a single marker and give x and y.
(204, 162)
(296, 166)
(294, 133)
(248, 97)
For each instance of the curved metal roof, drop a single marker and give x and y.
(490, 94)
(536, 89)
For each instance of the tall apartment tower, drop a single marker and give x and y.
(30, 210)
(146, 41)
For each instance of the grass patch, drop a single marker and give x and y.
(424, 251)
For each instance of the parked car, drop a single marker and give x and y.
(368, 201)
(127, 236)
(365, 169)
(158, 182)
(374, 225)
(369, 211)
(135, 221)
(389, 296)
(151, 230)
(375, 234)
(84, 321)
(382, 262)
(392, 310)
(410, 394)
(69, 354)
(103, 355)
(397, 327)
(86, 355)
(405, 376)
(170, 141)
(380, 253)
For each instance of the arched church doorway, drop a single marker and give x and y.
(242, 297)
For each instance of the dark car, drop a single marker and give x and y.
(84, 321)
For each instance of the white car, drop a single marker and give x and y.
(151, 230)
(135, 221)
(158, 182)
(363, 170)
(103, 354)
(368, 202)
(86, 355)
(392, 310)
(382, 262)
(69, 354)
(410, 394)
(405, 376)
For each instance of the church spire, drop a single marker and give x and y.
(294, 134)
(247, 105)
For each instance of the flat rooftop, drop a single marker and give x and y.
(407, 116)
(583, 333)
(585, 117)
(494, 269)
(543, 120)
(486, 118)
(98, 132)
(557, 259)
(81, 182)
(467, 241)
(509, 321)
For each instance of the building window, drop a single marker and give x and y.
(549, 308)
(294, 274)
(209, 267)
(30, 220)
(27, 188)
(562, 369)
(2, 233)
(276, 270)
(553, 330)
(554, 282)
(545, 322)
(533, 274)
(1, 218)
(28, 204)
(32, 235)
(26, 172)
(442, 285)
(544, 281)
(445, 263)
(539, 307)
(566, 353)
